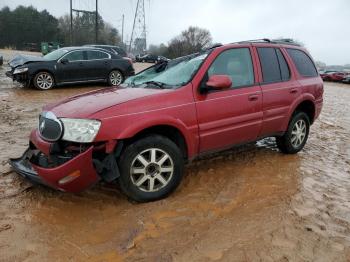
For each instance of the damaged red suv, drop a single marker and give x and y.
(142, 133)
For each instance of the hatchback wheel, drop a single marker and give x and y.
(151, 168)
(296, 136)
(43, 81)
(115, 78)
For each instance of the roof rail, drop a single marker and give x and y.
(286, 41)
(213, 46)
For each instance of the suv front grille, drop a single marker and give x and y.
(50, 128)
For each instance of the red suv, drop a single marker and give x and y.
(142, 133)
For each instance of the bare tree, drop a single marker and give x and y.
(192, 40)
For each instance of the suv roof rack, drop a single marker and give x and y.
(285, 41)
(213, 46)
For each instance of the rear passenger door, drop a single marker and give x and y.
(279, 86)
(98, 64)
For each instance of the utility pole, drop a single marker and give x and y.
(71, 23)
(96, 23)
(123, 29)
(78, 11)
(138, 34)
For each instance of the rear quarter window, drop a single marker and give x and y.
(303, 62)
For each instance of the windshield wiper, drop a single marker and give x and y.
(158, 84)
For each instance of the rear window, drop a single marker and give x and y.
(303, 63)
(273, 65)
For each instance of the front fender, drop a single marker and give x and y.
(131, 128)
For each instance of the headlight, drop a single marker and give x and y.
(20, 70)
(80, 130)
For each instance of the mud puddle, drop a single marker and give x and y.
(247, 204)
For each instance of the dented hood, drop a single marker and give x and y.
(20, 60)
(88, 104)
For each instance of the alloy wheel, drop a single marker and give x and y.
(298, 133)
(151, 170)
(44, 81)
(115, 78)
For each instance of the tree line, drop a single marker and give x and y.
(24, 26)
(191, 40)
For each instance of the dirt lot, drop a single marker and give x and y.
(248, 204)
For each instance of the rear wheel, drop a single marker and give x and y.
(115, 78)
(43, 81)
(151, 168)
(296, 136)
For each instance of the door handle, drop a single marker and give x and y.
(293, 90)
(81, 63)
(253, 97)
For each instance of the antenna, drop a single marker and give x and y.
(138, 41)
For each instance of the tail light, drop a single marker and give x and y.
(129, 59)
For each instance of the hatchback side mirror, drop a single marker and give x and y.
(64, 61)
(219, 82)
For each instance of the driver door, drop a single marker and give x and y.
(230, 116)
(74, 69)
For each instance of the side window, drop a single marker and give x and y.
(303, 63)
(91, 55)
(75, 56)
(269, 64)
(285, 73)
(236, 63)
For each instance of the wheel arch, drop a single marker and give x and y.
(168, 131)
(305, 104)
(308, 107)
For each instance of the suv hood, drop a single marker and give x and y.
(19, 60)
(88, 104)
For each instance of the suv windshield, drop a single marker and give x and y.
(170, 74)
(54, 55)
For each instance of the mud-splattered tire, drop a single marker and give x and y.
(43, 81)
(150, 168)
(115, 78)
(296, 136)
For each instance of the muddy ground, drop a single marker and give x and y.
(247, 204)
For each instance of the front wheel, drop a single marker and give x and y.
(150, 168)
(115, 78)
(296, 136)
(43, 81)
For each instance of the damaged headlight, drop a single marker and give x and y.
(20, 70)
(80, 130)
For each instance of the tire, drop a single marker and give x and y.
(296, 136)
(115, 78)
(138, 168)
(43, 81)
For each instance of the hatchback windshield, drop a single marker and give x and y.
(171, 76)
(54, 55)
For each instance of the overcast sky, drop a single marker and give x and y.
(322, 25)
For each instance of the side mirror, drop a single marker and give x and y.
(219, 82)
(64, 61)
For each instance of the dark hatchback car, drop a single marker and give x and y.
(70, 65)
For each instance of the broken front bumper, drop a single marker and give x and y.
(73, 175)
